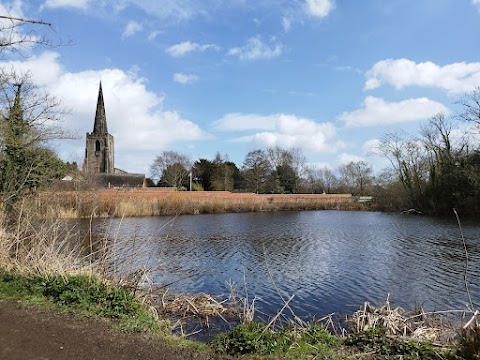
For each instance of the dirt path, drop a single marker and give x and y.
(32, 335)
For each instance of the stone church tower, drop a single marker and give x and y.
(99, 151)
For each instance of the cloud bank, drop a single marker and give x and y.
(376, 111)
(401, 73)
(281, 130)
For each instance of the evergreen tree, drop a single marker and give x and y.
(26, 164)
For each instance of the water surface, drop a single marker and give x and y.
(332, 261)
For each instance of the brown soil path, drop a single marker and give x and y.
(27, 334)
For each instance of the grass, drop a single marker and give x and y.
(377, 341)
(255, 338)
(82, 296)
(152, 202)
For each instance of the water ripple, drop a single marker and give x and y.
(330, 260)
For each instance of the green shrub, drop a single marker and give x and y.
(254, 339)
(83, 296)
(19, 287)
(91, 296)
(376, 341)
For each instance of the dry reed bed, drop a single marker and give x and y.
(200, 306)
(147, 202)
(419, 326)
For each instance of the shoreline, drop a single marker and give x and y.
(371, 331)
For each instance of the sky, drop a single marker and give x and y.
(328, 76)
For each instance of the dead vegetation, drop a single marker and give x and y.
(154, 202)
(435, 327)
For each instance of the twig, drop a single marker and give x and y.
(183, 278)
(279, 313)
(472, 319)
(25, 20)
(435, 313)
(276, 287)
(466, 262)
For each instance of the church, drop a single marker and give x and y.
(99, 164)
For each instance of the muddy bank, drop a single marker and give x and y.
(27, 334)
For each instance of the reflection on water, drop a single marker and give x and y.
(331, 260)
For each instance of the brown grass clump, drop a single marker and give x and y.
(395, 321)
(198, 306)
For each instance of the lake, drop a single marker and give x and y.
(333, 261)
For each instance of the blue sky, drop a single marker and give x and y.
(328, 76)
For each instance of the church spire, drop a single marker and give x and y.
(100, 126)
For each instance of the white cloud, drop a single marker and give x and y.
(132, 28)
(13, 9)
(184, 78)
(370, 147)
(377, 111)
(173, 10)
(134, 114)
(281, 130)
(186, 47)
(346, 158)
(80, 4)
(44, 69)
(401, 73)
(255, 49)
(476, 2)
(154, 34)
(286, 24)
(319, 8)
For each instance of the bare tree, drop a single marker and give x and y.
(320, 180)
(171, 168)
(357, 176)
(19, 35)
(471, 106)
(408, 157)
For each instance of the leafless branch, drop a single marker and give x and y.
(38, 22)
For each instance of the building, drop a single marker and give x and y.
(99, 150)
(100, 154)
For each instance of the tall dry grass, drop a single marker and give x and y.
(147, 202)
(34, 246)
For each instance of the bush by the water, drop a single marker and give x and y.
(255, 338)
(89, 294)
(377, 341)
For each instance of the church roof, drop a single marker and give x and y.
(100, 126)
